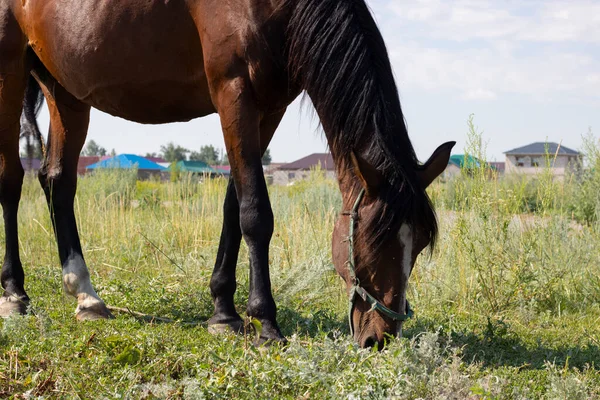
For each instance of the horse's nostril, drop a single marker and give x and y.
(370, 342)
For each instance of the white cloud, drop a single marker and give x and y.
(482, 49)
(534, 20)
(479, 94)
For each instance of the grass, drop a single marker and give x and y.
(507, 306)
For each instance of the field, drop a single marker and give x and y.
(507, 306)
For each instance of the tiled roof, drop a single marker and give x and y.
(157, 160)
(84, 161)
(539, 148)
(311, 161)
(194, 166)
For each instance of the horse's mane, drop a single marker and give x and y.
(337, 54)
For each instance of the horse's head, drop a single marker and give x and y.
(376, 265)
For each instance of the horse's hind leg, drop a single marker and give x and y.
(222, 282)
(69, 119)
(12, 89)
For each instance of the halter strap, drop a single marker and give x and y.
(356, 289)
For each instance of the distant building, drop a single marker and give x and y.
(456, 162)
(498, 166)
(84, 162)
(32, 164)
(531, 159)
(301, 168)
(222, 169)
(158, 160)
(270, 171)
(462, 162)
(274, 166)
(145, 168)
(195, 167)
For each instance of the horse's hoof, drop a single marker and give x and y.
(280, 341)
(13, 305)
(218, 327)
(270, 335)
(93, 313)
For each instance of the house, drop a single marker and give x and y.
(84, 162)
(301, 168)
(531, 159)
(145, 168)
(272, 167)
(462, 162)
(456, 163)
(194, 167)
(498, 166)
(224, 170)
(30, 164)
(160, 161)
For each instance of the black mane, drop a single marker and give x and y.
(337, 54)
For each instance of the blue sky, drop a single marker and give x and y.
(529, 70)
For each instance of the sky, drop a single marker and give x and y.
(529, 71)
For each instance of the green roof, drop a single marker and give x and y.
(462, 161)
(194, 166)
(469, 162)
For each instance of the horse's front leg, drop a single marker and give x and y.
(69, 120)
(240, 120)
(223, 283)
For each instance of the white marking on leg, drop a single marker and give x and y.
(12, 304)
(12, 298)
(76, 282)
(406, 239)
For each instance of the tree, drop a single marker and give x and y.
(151, 155)
(173, 153)
(207, 154)
(225, 159)
(266, 158)
(93, 149)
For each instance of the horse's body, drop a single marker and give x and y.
(159, 61)
(144, 60)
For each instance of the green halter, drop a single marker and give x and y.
(356, 289)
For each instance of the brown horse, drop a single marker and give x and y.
(159, 61)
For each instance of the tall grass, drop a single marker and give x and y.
(516, 242)
(506, 305)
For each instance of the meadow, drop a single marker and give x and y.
(507, 306)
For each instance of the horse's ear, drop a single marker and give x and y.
(436, 164)
(370, 177)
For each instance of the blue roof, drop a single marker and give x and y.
(127, 161)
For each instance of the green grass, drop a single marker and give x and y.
(507, 306)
